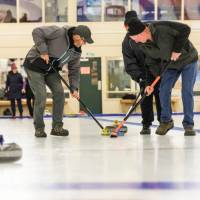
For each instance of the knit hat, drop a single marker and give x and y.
(135, 26)
(129, 15)
(84, 32)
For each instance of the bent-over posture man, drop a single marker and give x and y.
(57, 46)
(134, 61)
(160, 44)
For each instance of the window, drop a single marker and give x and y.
(4, 70)
(115, 10)
(192, 10)
(197, 83)
(8, 11)
(169, 10)
(30, 10)
(144, 9)
(88, 10)
(56, 10)
(119, 81)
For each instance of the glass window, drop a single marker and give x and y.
(7, 11)
(144, 9)
(197, 83)
(192, 9)
(119, 81)
(3, 73)
(56, 10)
(169, 10)
(115, 10)
(88, 10)
(30, 10)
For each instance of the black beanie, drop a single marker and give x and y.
(135, 26)
(129, 15)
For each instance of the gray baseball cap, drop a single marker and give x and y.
(84, 32)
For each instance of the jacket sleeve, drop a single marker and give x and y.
(132, 68)
(21, 81)
(74, 73)
(132, 65)
(7, 83)
(42, 34)
(180, 32)
(181, 35)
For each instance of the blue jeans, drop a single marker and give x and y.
(188, 75)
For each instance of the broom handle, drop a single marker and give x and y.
(152, 86)
(134, 106)
(155, 81)
(141, 100)
(81, 102)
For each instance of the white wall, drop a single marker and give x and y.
(16, 39)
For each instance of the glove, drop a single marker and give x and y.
(55, 62)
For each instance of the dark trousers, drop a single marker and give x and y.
(38, 84)
(13, 106)
(147, 107)
(30, 105)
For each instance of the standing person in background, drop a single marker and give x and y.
(29, 97)
(14, 89)
(134, 61)
(9, 17)
(54, 46)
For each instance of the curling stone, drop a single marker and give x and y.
(109, 129)
(123, 129)
(105, 132)
(9, 152)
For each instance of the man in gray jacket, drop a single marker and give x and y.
(54, 46)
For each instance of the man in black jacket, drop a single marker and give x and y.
(134, 61)
(161, 43)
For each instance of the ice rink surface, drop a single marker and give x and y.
(88, 166)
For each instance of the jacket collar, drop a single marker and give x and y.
(69, 32)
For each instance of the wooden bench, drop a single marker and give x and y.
(129, 102)
(6, 104)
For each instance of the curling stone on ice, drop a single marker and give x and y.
(109, 129)
(9, 152)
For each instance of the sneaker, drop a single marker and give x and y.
(39, 132)
(189, 131)
(145, 130)
(59, 131)
(164, 127)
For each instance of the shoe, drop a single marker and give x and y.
(189, 131)
(59, 131)
(21, 115)
(145, 130)
(164, 127)
(39, 132)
